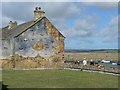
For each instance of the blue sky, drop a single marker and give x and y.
(86, 25)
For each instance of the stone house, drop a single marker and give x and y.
(32, 39)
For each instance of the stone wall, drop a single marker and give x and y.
(40, 46)
(31, 62)
(59, 46)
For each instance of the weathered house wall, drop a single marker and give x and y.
(36, 43)
(36, 40)
(6, 48)
(41, 43)
(59, 46)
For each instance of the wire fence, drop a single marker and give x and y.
(95, 67)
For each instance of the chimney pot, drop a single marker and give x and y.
(38, 13)
(39, 8)
(12, 25)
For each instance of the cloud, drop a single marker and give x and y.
(17, 11)
(103, 5)
(23, 11)
(60, 0)
(61, 10)
(110, 33)
(58, 13)
(73, 20)
(83, 27)
(5, 21)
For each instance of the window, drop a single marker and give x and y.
(47, 47)
(5, 47)
(46, 44)
(20, 48)
(31, 30)
(41, 34)
(52, 41)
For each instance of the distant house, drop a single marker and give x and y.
(38, 37)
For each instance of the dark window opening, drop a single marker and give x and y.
(31, 30)
(5, 47)
(21, 48)
(52, 41)
(47, 47)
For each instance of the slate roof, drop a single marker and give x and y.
(8, 33)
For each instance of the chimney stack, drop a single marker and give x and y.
(38, 13)
(12, 25)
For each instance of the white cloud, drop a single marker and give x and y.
(23, 11)
(17, 11)
(83, 28)
(60, 0)
(103, 5)
(5, 21)
(110, 33)
(61, 11)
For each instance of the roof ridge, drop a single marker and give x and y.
(19, 29)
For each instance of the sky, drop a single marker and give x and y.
(86, 25)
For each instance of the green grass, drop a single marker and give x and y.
(57, 79)
(0, 75)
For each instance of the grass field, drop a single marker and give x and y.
(0, 75)
(57, 79)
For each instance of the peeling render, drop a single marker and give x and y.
(36, 40)
(33, 44)
(41, 39)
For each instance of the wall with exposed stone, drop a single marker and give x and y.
(40, 46)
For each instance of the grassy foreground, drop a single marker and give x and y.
(0, 75)
(57, 79)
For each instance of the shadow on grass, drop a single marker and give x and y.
(4, 87)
